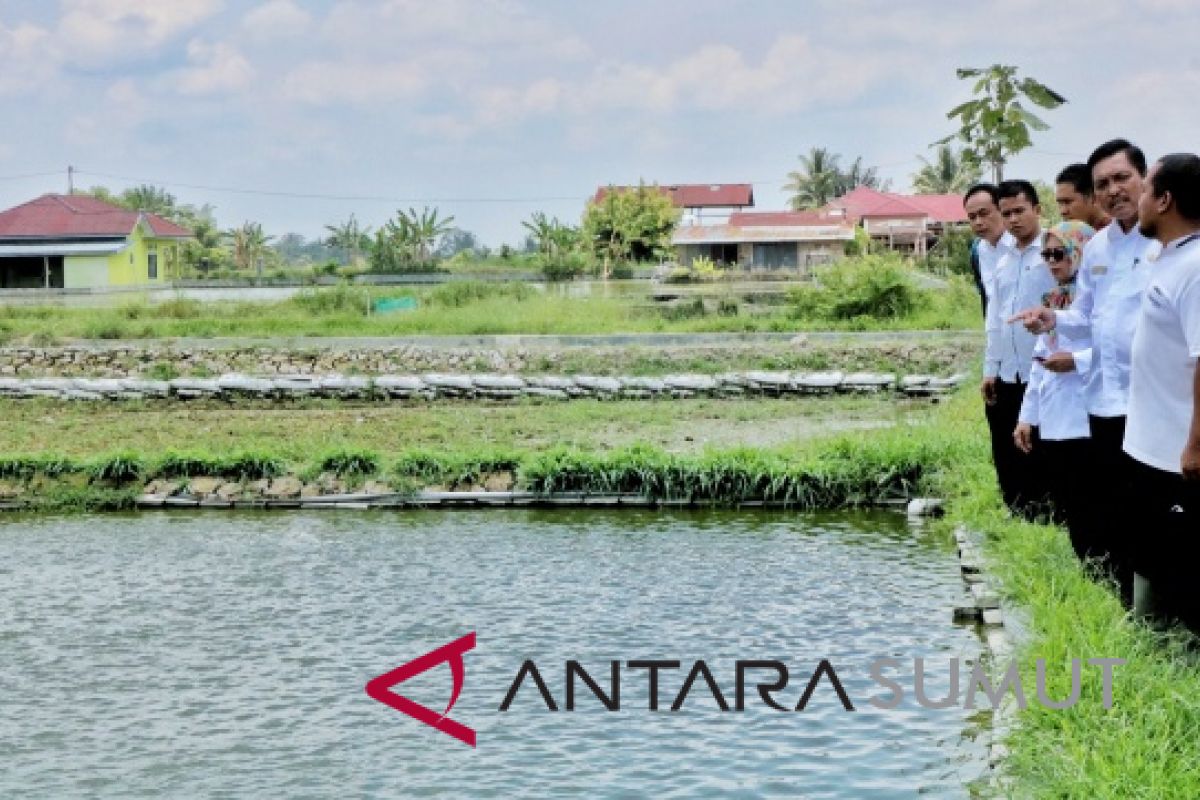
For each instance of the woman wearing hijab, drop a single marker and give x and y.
(1055, 402)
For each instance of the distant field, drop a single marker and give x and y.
(467, 308)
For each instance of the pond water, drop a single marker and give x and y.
(225, 655)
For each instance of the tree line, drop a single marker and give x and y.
(618, 228)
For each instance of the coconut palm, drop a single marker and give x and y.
(859, 175)
(951, 172)
(817, 181)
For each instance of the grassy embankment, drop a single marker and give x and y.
(1147, 745)
(478, 309)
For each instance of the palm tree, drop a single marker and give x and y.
(951, 172)
(553, 237)
(248, 243)
(859, 175)
(817, 181)
(424, 230)
(350, 238)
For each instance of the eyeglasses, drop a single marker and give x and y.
(1054, 254)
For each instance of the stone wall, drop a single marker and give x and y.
(154, 360)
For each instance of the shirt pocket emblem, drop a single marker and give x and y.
(1099, 269)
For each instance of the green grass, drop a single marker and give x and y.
(1148, 744)
(465, 308)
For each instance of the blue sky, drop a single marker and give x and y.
(493, 109)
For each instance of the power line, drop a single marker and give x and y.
(317, 196)
(29, 175)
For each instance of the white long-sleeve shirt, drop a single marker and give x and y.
(1165, 349)
(989, 256)
(1020, 281)
(1112, 276)
(1055, 401)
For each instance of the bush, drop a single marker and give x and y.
(563, 267)
(952, 253)
(340, 299)
(878, 287)
(350, 463)
(464, 293)
(179, 308)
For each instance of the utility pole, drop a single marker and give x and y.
(70, 179)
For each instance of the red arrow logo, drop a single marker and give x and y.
(380, 688)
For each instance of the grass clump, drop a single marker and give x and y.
(119, 468)
(236, 467)
(350, 463)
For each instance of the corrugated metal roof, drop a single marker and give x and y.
(696, 195)
(734, 234)
(54, 215)
(864, 201)
(18, 250)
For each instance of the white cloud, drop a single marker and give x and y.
(96, 32)
(502, 27)
(25, 64)
(793, 75)
(216, 68)
(277, 19)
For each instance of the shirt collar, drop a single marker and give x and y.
(1036, 243)
(1182, 240)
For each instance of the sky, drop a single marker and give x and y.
(298, 114)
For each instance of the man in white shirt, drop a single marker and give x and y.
(1163, 431)
(1020, 280)
(982, 204)
(1111, 279)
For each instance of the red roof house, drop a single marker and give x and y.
(696, 198)
(80, 242)
(905, 220)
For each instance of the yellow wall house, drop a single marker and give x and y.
(79, 242)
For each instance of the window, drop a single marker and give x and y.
(775, 254)
(152, 266)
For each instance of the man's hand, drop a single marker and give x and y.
(1060, 362)
(988, 390)
(1190, 461)
(1023, 438)
(1035, 320)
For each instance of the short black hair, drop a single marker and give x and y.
(989, 188)
(1079, 176)
(1112, 148)
(1017, 188)
(1179, 174)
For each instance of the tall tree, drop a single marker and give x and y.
(248, 243)
(406, 243)
(996, 125)
(818, 180)
(857, 175)
(151, 199)
(629, 225)
(951, 172)
(349, 237)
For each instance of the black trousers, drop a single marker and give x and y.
(1063, 464)
(1099, 529)
(1018, 474)
(1162, 539)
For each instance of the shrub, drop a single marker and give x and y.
(463, 293)
(878, 287)
(345, 463)
(179, 308)
(120, 468)
(340, 299)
